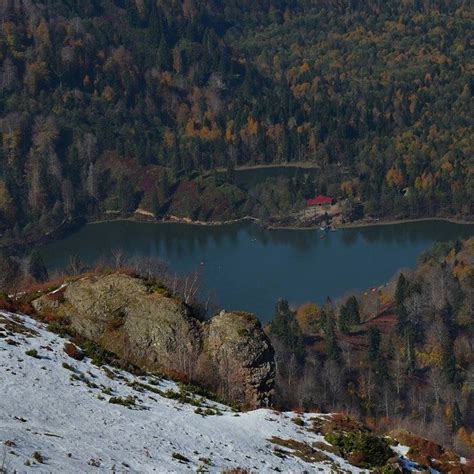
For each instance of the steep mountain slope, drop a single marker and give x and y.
(140, 321)
(113, 105)
(400, 354)
(63, 410)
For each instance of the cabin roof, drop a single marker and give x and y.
(318, 200)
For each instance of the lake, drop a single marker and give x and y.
(249, 267)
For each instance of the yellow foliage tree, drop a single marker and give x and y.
(304, 67)
(250, 129)
(425, 181)
(108, 94)
(35, 72)
(230, 136)
(394, 177)
(347, 188)
(463, 437)
(308, 316)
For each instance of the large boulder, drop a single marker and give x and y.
(145, 326)
(243, 355)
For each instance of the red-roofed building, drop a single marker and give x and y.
(320, 200)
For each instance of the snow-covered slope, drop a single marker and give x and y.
(56, 415)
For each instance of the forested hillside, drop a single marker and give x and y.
(106, 106)
(399, 355)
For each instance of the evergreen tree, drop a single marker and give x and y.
(374, 344)
(344, 323)
(333, 351)
(349, 315)
(155, 204)
(410, 338)
(164, 55)
(448, 364)
(353, 309)
(132, 14)
(37, 268)
(126, 196)
(401, 290)
(308, 187)
(231, 173)
(285, 327)
(10, 272)
(402, 318)
(165, 185)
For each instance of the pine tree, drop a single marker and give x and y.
(344, 324)
(410, 337)
(456, 418)
(285, 327)
(10, 272)
(37, 268)
(155, 204)
(132, 14)
(308, 187)
(401, 290)
(353, 309)
(349, 315)
(126, 196)
(333, 351)
(374, 344)
(164, 55)
(402, 318)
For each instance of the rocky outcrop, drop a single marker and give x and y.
(243, 355)
(145, 326)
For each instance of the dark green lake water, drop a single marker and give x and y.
(250, 268)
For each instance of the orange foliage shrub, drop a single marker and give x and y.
(73, 351)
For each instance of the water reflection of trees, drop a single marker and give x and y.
(185, 240)
(183, 246)
(301, 240)
(414, 232)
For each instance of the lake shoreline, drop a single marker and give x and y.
(249, 267)
(68, 228)
(302, 165)
(350, 225)
(375, 223)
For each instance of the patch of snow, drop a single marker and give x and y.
(60, 408)
(401, 450)
(407, 463)
(58, 289)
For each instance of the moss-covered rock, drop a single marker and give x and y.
(229, 354)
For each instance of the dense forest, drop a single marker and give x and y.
(113, 105)
(400, 355)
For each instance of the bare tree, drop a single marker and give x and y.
(118, 256)
(75, 265)
(347, 353)
(334, 376)
(435, 381)
(8, 74)
(190, 287)
(187, 355)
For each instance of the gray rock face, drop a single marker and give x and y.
(243, 355)
(230, 354)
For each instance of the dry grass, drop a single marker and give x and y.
(298, 449)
